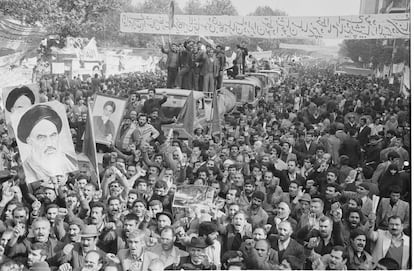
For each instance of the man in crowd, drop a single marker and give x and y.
(274, 191)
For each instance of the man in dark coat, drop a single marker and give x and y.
(352, 149)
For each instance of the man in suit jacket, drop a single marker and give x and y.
(393, 206)
(352, 148)
(351, 125)
(364, 132)
(209, 71)
(285, 245)
(135, 257)
(306, 148)
(236, 232)
(392, 243)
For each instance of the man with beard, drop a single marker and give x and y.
(168, 253)
(284, 244)
(209, 231)
(323, 235)
(114, 210)
(133, 195)
(40, 128)
(352, 221)
(74, 254)
(258, 216)
(144, 132)
(392, 243)
(245, 198)
(127, 129)
(136, 257)
(157, 122)
(359, 259)
(283, 211)
(116, 239)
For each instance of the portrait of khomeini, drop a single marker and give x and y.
(41, 128)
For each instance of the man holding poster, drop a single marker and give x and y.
(40, 129)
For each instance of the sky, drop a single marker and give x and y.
(297, 8)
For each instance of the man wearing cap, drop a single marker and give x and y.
(303, 207)
(258, 216)
(74, 254)
(40, 128)
(197, 260)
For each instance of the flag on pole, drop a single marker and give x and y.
(89, 144)
(215, 121)
(171, 14)
(188, 113)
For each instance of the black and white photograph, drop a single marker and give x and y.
(209, 135)
(107, 115)
(44, 141)
(17, 99)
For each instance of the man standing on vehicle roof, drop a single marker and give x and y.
(153, 102)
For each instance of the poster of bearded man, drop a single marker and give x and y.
(45, 143)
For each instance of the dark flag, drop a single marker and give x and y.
(89, 144)
(215, 121)
(188, 113)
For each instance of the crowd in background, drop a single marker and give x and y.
(294, 180)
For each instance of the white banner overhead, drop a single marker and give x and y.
(373, 26)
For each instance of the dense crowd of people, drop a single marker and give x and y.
(294, 179)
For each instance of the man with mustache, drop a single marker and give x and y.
(40, 128)
(41, 231)
(74, 254)
(136, 257)
(392, 243)
(352, 221)
(258, 216)
(358, 258)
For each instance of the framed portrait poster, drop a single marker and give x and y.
(107, 115)
(45, 142)
(17, 99)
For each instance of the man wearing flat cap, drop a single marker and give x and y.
(40, 128)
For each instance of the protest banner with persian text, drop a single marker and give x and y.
(372, 26)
